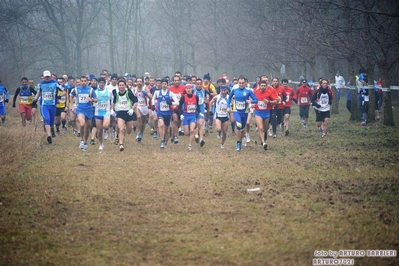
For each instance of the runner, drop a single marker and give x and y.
(48, 90)
(267, 98)
(303, 95)
(321, 101)
(85, 96)
(25, 96)
(202, 103)
(164, 99)
(157, 87)
(112, 86)
(4, 98)
(221, 114)
(125, 103)
(179, 90)
(241, 102)
(278, 110)
(211, 91)
(102, 111)
(31, 84)
(189, 107)
(61, 106)
(144, 96)
(289, 95)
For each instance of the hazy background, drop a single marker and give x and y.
(253, 37)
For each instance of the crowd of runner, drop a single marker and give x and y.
(109, 106)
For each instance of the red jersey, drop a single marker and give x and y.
(289, 95)
(268, 94)
(304, 94)
(190, 104)
(281, 94)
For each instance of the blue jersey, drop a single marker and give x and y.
(103, 105)
(4, 95)
(81, 93)
(201, 99)
(49, 92)
(163, 107)
(240, 97)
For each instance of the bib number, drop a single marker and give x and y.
(83, 98)
(304, 99)
(164, 106)
(261, 105)
(240, 105)
(191, 108)
(48, 96)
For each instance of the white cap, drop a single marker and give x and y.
(46, 73)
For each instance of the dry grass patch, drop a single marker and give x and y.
(147, 206)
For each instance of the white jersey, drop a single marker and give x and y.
(221, 106)
(324, 102)
(142, 101)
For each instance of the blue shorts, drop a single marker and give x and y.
(88, 113)
(189, 118)
(3, 110)
(264, 114)
(165, 118)
(241, 120)
(48, 113)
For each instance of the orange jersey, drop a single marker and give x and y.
(281, 94)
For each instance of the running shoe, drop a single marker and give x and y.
(162, 144)
(49, 140)
(274, 136)
(221, 146)
(196, 138)
(244, 141)
(155, 135)
(175, 140)
(247, 137)
(116, 141)
(264, 146)
(238, 146)
(206, 134)
(287, 132)
(323, 135)
(85, 147)
(139, 137)
(219, 135)
(121, 148)
(101, 147)
(52, 133)
(202, 143)
(74, 131)
(105, 134)
(81, 144)
(190, 148)
(92, 142)
(270, 132)
(152, 131)
(78, 134)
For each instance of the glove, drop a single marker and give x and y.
(182, 117)
(130, 112)
(113, 113)
(13, 105)
(6, 100)
(169, 102)
(153, 107)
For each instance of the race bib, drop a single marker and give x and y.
(223, 110)
(324, 100)
(366, 98)
(304, 99)
(123, 104)
(201, 100)
(62, 100)
(240, 105)
(1, 98)
(164, 106)
(102, 106)
(24, 99)
(141, 101)
(261, 105)
(288, 98)
(83, 98)
(191, 108)
(48, 96)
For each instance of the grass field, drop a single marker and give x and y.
(144, 206)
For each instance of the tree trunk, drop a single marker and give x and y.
(354, 106)
(371, 112)
(331, 74)
(111, 37)
(387, 101)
